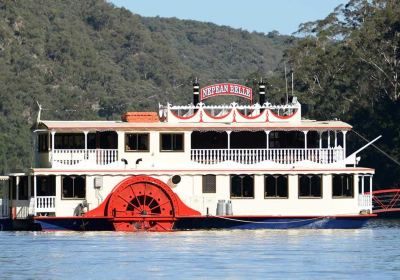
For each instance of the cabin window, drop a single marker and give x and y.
(136, 142)
(73, 187)
(209, 140)
(242, 186)
(276, 186)
(310, 186)
(286, 139)
(46, 185)
(102, 140)
(342, 185)
(171, 142)
(209, 184)
(248, 140)
(364, 183)
(32, 186)
(12, 185)
(23, 188)
(43, 143)
(69, 141)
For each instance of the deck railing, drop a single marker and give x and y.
(45, 204)
(23, 212)
(93, 156)
(365, 202)
(252, 156)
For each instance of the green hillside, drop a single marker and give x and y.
(88, 60)
(91, 60)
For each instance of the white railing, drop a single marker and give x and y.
(214, 110)
(103, 156)
(92, 156)
(45, 204)
(23, 212)
(252, 156)
(365, 202)
(69, 156)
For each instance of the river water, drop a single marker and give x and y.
(370, 253)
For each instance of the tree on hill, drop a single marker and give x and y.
(347, 66)
(91, 60)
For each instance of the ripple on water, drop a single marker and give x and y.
(371, 252)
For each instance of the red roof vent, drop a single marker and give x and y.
(140, 117)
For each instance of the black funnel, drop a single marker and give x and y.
(196, 90)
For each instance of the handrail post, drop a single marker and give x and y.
(86, 140)
(267, 132)
(228, 132)
(362, 185)
(335, 138)
(329, 139)
(370, 192)
(305, 139)
(267, 139)
(53, 133)
(34, 195)
(344, 143)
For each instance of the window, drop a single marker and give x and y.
(171, 142)
(43, 143)
(136, 142)
(102, 140)
(240, 140)
(23, 188)
(242, 186)
(69, 141)
(286, 139)
(364, 183)
(32, 186)
(209, 140)
(46, 185)
(342, 185)
(73, 187)
(276, 186)
(12, 186)
(209, 184)
(310, 186)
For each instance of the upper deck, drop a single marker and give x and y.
(260, 135)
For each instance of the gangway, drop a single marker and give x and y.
(386, 203)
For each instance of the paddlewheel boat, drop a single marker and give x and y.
(193, 167)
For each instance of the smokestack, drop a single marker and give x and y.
(196, 90)
(261, 87)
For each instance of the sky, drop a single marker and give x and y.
(252, 15)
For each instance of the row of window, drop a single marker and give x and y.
(72, 187)
(95, 140)
(276, 186)
(241, 186)
(174, 141)
(134, 142)
(140, 142)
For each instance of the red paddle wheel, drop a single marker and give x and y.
(142, 203)
(141, 206)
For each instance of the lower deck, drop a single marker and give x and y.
(245, 194)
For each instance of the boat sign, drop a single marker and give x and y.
(226, 89)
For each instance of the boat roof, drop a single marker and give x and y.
(79, 126)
